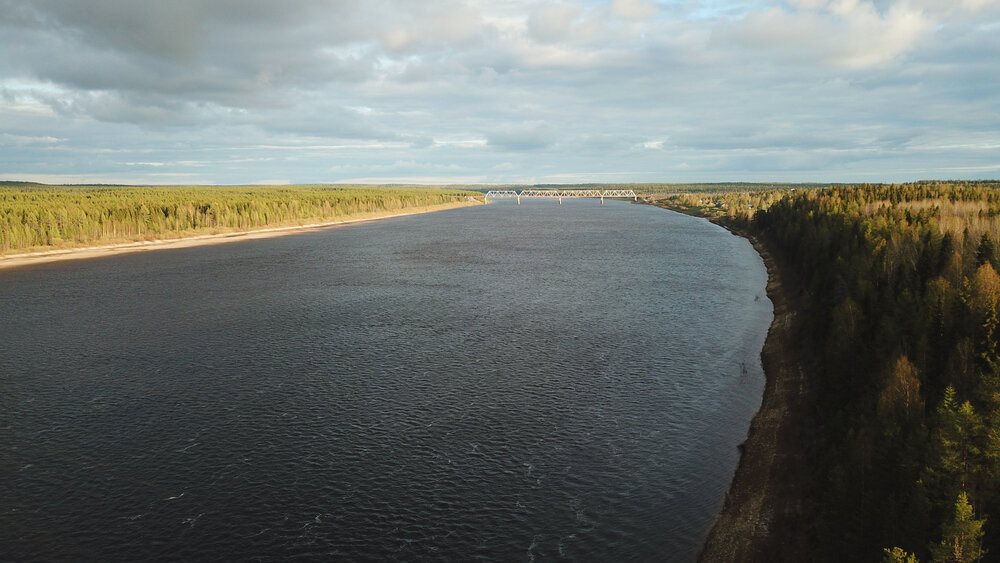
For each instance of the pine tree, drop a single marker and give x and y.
(986, 252)
(961, 536)
(898, 555)
(954, 443)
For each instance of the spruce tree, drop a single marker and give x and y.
(898, 555)
(961, 536)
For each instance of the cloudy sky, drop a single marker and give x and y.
(498, 91)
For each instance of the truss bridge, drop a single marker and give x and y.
(558, 194)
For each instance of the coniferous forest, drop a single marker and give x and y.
(899, 293)
(35, 216)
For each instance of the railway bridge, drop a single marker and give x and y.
(558, 194)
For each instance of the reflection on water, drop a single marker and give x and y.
(504, 382)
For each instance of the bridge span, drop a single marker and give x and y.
(559, 194)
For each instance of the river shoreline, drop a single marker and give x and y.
(764, 517)
(57, 255)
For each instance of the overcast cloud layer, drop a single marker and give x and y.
(508, 91)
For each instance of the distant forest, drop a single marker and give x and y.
(37, 217)
(900, 305)
(660, 189)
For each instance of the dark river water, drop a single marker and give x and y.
(503, 382)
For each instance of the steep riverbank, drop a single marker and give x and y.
(765, 517)
(195, 239)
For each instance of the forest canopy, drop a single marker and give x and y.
(36, 216)
(899, 293)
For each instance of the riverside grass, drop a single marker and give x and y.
(36, 217)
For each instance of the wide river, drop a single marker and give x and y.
(503, 382)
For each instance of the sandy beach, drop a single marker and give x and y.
(56, 255)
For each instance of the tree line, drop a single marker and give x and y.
(35, 216)
(899, 298)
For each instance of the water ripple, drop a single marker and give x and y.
(501, 383)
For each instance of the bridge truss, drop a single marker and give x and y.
(559, 194)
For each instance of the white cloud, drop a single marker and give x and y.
(633, 9)
(525, 136)
(426, 180)
(22, 140)
(556, 22)
(461, 143)
(848, 33)
(616, 90)
(412, 26)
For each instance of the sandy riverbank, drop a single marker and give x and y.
(55, 255)
(765, 517)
